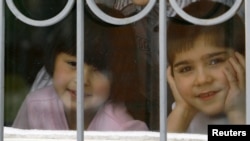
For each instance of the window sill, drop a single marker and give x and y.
(13, 134)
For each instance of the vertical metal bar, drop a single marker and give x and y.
(162, 62)
(80, 64)
(247, 33)
(2, 46)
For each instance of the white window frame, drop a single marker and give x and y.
(162, 58)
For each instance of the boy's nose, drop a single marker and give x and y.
(202, 77)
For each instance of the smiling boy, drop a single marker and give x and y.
(206, 71)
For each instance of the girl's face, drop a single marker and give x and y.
(96, 84)
(200, 78)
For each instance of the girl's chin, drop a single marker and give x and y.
(90, 110)
(70, 109)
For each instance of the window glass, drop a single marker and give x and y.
(24, 51)
(206, 70)
(120, 69)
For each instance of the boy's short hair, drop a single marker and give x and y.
(181, 34)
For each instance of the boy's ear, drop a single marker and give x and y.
(172, 72)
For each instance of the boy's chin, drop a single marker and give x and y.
(213, 111)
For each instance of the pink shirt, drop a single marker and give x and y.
(42, 109)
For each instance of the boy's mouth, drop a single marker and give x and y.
(207, 95)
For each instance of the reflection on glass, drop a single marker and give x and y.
(113, 97)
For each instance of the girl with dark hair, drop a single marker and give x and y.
(111, 82)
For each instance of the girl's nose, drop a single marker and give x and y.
(86, 77)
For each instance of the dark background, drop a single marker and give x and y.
(24, 50)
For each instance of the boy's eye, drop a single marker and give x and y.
(216, 61)
(184, 69)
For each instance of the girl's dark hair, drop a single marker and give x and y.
(181, 35)
(109, 48)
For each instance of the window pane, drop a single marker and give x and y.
(25, 50)
(203, 69)
(121, 66)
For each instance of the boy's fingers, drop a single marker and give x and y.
(239, 70)
(241, 59)
(171, 82)
(238, 63)
(230, 77)
(171, 79)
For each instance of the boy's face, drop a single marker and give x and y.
(96, 84)
(200, 78)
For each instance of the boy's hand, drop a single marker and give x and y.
(182, 114)
(235, 104)
(179, 101)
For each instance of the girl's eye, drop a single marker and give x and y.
(72, 63)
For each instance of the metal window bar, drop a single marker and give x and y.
(80, 67)
(40, 23)
(247, 33)
(162, 69)
(162, 58)
(1, 68)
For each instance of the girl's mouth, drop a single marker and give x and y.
(87, 94)
(72, 93)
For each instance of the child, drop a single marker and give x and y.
(110, 80)
(206, 70)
